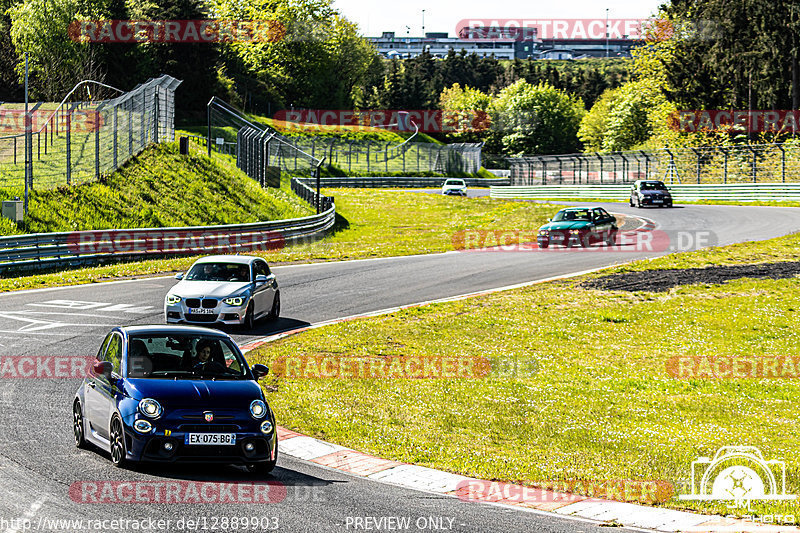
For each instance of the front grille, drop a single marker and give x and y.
(209, 303)
(193, 303)
(208, 428)
(202, 417)
(201, 318)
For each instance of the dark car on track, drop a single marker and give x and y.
(579, 226)
(650, 192)
(175, 394)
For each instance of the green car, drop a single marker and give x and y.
(579, 226)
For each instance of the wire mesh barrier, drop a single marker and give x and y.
(75, 142)
(303, 154)
(765, 163)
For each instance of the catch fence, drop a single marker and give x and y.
(227, 132)
(762, 163)
(75, 142)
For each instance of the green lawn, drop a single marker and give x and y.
(370, 223)
(580, 388)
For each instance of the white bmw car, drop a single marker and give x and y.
(454, 186)
(224, 289)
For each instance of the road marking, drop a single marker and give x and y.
(103, 307)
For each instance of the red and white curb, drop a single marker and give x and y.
(427, 479)
(475, 490)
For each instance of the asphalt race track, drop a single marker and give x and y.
(39, 463)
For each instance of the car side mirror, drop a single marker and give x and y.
(261, 278)
(260, 371)
(179, 276)
(103, 368)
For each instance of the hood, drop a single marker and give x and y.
(566, 225)
(652, 193)
(208, 289)
(447, 187)
(195, 394)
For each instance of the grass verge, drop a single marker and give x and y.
(158, 188)
(580, 388)
(370, 223)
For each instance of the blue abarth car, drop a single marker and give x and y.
(175, 393)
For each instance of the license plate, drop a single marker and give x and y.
(658, 201)
(210, 439)
(201, 311)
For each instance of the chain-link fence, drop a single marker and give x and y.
(762, 163)
(75, 142)
(302, 154)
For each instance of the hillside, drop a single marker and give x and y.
(159, 188)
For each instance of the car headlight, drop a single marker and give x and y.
(143, 426)
(258, 409)
(266, 427)
(172, 299)
(236, 301)
(544, 232)
(150, 408)
(574, 232)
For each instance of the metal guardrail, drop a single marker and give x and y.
(747, 192)
(47, 250)
(401, 182)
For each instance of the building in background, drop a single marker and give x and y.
(502, 43)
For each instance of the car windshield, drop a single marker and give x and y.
(652, 186)
(459, 183)
(573, 214)
(161, 356)
(219, 272)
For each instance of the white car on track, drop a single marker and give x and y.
(224, 289)
(454, 186)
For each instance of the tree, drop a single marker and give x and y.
(56, 62)
(595, 124)
(537, 119)
(466, 112)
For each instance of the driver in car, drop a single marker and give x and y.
(204, 362)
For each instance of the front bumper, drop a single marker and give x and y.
(149, 447)
(656, 201)
(455, 192)
(222, 313)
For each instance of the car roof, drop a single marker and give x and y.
(241, 259)
(172, 329)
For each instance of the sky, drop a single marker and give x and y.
(377, 16)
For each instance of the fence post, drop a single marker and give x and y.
(69, 147)
(97, 148)
(755, 171)
(156, 115)
(783, 162)
(116, 122)
(600, 157)
(386, 156)
(368, 143)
